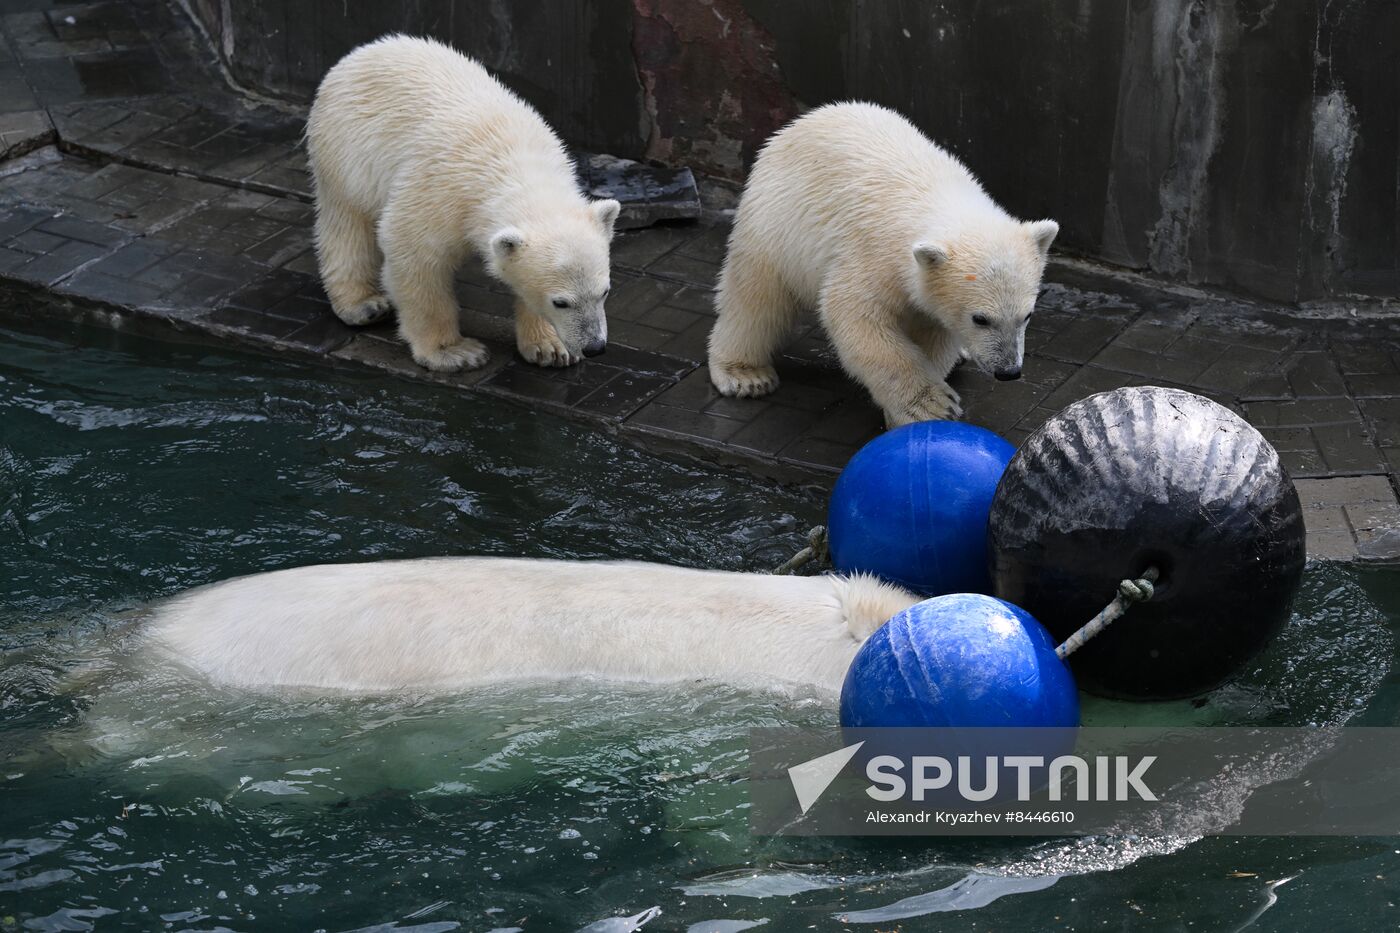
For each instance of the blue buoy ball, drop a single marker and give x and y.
(911, 507)
(962, 661)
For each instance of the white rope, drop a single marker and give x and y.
(814, 551)
(1129, 592)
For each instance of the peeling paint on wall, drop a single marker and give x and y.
(504, 54)
(1194, 38)
(1334, 139)
(712, 85)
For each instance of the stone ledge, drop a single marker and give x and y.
(1351, 518)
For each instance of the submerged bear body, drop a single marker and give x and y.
(445, 623)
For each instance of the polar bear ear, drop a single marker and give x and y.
(605, 212)
(930, 255)
(1043, 233)
(506, 243)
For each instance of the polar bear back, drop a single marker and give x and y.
(853, 182)
(403, 105)
(453, 622)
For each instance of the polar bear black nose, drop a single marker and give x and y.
(595, 347)
(1008, 375)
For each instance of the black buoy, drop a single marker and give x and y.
(1150, 477)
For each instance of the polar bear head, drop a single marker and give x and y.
(558, 266)
(982, 285)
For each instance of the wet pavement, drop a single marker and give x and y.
(139, 190)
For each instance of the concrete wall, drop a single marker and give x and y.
(1251, 144)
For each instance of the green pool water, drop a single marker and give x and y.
(133, 799)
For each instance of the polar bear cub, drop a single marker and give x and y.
(450, 622)
(908, 262)
(418, 156)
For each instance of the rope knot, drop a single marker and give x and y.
(1136, 591)
(1129, 592)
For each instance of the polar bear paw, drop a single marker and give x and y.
(739, 380)
(464, 354)
(934, 403)
(369, 311)
(546, 349)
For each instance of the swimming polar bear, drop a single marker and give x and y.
(908, 262)
(455, 622)
(419, 155)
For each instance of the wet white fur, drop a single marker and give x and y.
(853, 212)
(419, 156)
(445, 623)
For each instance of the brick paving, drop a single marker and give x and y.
(187, 209)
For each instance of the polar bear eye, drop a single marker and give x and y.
(562, 303)
(981, 320)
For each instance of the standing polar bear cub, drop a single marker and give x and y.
(907, 261)
(418, 156)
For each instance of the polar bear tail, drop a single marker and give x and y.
(867, 602)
